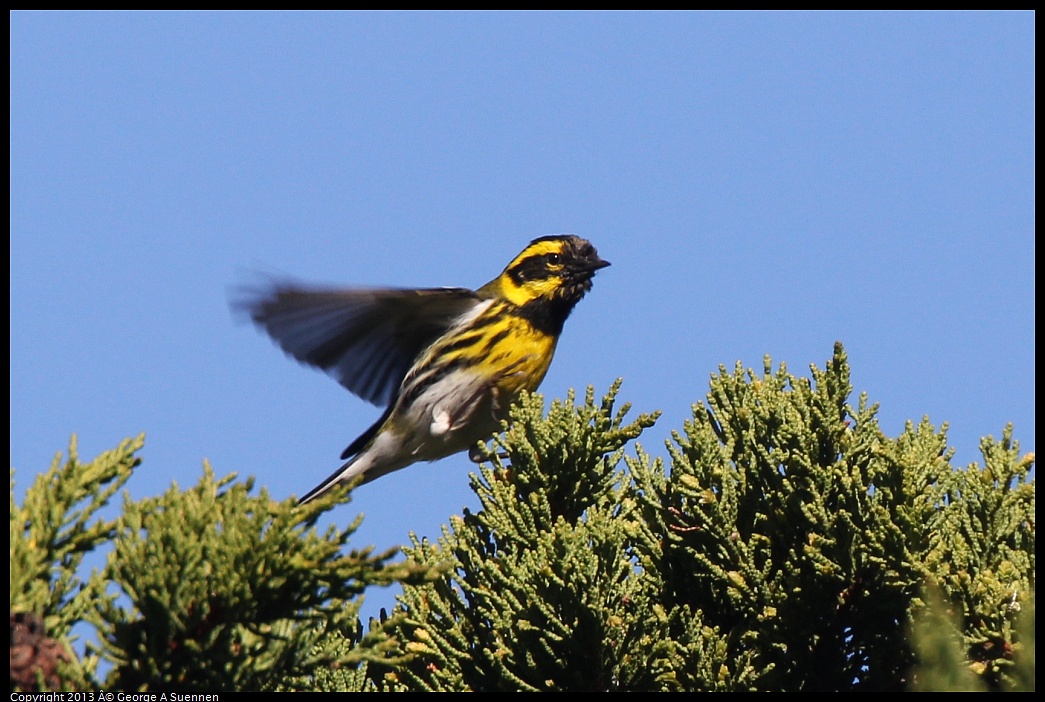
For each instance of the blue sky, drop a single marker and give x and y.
(762, 183)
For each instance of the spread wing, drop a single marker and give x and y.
(367, 339)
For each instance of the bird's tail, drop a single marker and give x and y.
(381, 455)
(351, 469)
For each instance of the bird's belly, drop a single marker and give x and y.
(451, 415)
(467, 406)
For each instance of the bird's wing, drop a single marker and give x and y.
(365, 338)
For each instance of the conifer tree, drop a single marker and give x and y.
(205, 589)
(788, 546)
(785, 544)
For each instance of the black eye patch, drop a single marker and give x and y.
(535, 267)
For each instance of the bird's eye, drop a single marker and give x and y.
(554, 259)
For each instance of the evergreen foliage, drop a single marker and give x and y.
(206, 589)
(788, 547)
(51, 532)
(785, 544)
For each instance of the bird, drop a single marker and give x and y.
(446, 363)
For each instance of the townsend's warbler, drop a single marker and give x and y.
(446, 361)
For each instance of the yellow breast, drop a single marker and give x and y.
(501, 347)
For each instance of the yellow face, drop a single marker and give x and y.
(534, 274)
(551, 270)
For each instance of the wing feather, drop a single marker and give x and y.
(366, 338)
